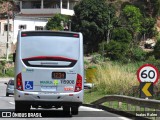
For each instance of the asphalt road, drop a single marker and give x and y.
(85, 112)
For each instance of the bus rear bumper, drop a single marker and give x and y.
(51, 98)
(46, 104)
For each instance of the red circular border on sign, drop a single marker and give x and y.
(150, 65)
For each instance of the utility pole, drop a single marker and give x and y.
(7, 45)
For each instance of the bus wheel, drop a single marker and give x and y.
(74, 110)
(19, 107)
(66, 110)
(7, 94)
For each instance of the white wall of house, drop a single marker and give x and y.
(48, 11)
(67, 12)
(30, 25)
(2, 26)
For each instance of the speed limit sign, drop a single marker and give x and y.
(148, 73)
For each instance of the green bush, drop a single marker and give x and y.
(138, 54)
(97, 58)
(156, 51)
(55, 22)
(3, 63)
(86, 62)
(116, 50)
(118, 47)
(11, 56)
(10, 72)
(153, 61)
(121, 35)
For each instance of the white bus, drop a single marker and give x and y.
(49, 70)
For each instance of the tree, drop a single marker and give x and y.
(157, 8)
(93, 18)
(148, 30)
(7, 8)
(132, 19)
(121, 35)
(118, 47)
(116, 50)
(57, 22)
(152, 8)
(156, 51)
(149, 8)
(1, 1)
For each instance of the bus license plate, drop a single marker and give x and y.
(49, 88)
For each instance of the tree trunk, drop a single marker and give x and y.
(108, 36)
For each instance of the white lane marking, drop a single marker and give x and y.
(124, 118)
(83, 108)
(12, 103)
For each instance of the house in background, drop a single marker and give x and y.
(34, 14)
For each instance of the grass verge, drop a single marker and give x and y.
(90, 96)
(115, 78)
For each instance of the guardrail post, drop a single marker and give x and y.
(156, 113)
(111, 104)
(146, 109)
(137, 108)
(119, 105)
(129, 107)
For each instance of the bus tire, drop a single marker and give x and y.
(19, 107)
(7, 94)
(74, 110)
(66, 110)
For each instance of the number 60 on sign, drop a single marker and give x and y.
(148, 73)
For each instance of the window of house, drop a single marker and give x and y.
(51, 3)
(22, 27)
(31, 4)
(6, 27)
(64, 4)
(38, 27)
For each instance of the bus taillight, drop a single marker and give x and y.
(19, 82)
(78, 86)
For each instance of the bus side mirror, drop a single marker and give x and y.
(14, 57)
(5, 83)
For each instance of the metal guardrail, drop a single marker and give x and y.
(148, 105)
